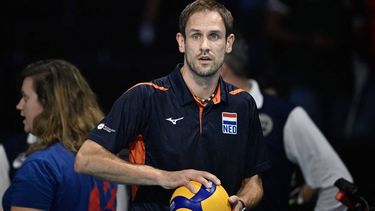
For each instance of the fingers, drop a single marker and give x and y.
(212, 178)
(191, 187)
(203, 177)
(206, 183)
(174, 179)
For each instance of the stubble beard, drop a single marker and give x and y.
(204, 74)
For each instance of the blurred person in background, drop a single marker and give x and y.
(60, 109)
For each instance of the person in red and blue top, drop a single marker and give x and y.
(188, 125)
(60, 109)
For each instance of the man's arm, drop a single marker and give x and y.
(320, 164)
(93, 159)
(250, 193)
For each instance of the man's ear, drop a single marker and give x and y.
(229, 44)
(181, 42)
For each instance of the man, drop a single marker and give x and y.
(191, 125)
(293, 141)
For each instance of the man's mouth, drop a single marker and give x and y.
(205, 58)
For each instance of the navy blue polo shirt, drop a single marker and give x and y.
(179, 134)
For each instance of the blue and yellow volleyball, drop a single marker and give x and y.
(206, 199)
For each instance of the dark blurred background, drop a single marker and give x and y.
(100, 38)
(117, 44)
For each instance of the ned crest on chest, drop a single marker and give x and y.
(229, 123)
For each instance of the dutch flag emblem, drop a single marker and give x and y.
(229, 123)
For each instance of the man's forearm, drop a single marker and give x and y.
(94, 160)
(251, 191)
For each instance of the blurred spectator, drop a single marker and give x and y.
(59, 107)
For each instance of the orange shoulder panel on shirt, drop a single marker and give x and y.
(236, 91)
(151, 84)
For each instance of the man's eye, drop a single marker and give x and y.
(196, 36)
(214, 36)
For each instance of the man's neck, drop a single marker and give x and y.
(201, 87)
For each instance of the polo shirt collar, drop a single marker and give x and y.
(183, 93)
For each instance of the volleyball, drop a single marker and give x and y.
(206, 199)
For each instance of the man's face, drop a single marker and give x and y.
(205, 43)
(29, 105)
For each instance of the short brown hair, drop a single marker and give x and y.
(206, 5)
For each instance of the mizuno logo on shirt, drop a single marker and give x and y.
(174, 121)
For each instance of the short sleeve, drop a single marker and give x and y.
(123, 122)
(34, 186)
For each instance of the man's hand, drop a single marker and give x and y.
(174, 179)
(249, 195)
(236, 203)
